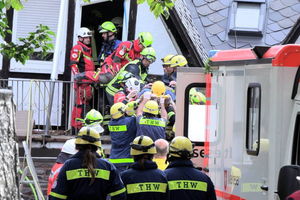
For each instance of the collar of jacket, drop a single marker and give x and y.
(180, 163)
(148, 165)
(83, 45)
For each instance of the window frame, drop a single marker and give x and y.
(247, 31)
(186, 110)
(250, 151)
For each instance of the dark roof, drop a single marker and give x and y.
(210, 18)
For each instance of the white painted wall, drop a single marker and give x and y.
(162, 41)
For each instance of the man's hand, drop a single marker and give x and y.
(132, 94)
(172, 84)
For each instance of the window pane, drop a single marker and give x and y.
(253, 118)
(197, 114)
(247, 15)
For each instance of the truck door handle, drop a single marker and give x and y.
(264, 187)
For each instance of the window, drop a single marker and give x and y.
(253, 119)
(196, 116)
(243, 10)
(296, 142)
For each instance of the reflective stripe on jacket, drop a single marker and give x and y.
(187, 182)
(74, 181)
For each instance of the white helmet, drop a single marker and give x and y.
(69, 147)
(133, 84)
(84, 32)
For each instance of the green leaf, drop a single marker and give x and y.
(2, 5)
(157, 10)
(150, 2)
(16, 4)
(152, 6)
(140, 1)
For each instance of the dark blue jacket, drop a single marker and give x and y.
(73, 181)
(168, 78)
(148, 183)
(107, 48)
(153, 127)
(122, 132)
(188, 183)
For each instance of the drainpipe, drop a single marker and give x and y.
(57, 53)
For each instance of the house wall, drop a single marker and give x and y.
(163, 43)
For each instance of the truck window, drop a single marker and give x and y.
(196, 114)
(253, 118)
(296, 142)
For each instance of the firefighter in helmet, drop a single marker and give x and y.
(126, 52)
(122, 130)
(143, 180)
(85, 176)
(83, 69)
(149, 122)
(137, 68)
(185, 181)
(130, 91)
(108, 32)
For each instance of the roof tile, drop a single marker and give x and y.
(209, 1)
(277, 5)
(222, 36)
(206, 22)
(199, 2)
(214, 29)
(278, 36)
(215, 17)
(275, 16)
(273, 27)
(286, 23)
(216, 6)
(224, 12)
(290, 2)
(296, 8)
(295, 17)
(214, 40)
(287, 12)
(204, 10)
(269, 40)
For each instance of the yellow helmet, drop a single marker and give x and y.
(158, 88)
(151, 107)
(88, 135)
(142, 145)
(178, 61)
(131, 107)
(181, 147)
(167, 59)
(93, 117)
(117, 110)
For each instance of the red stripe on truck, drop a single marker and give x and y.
(227, 196)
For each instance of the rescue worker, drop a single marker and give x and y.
(170, 64)
(130, 91)
(122, 131)
(162, 148)
(108, 32)
(143, 180)
(85, 176)
(93, 119)
(148, 121)
(131, 108)
(158, 89)
(126, 52)
(67, 150)
(137, 68)
(185, 181)
(83, 69)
